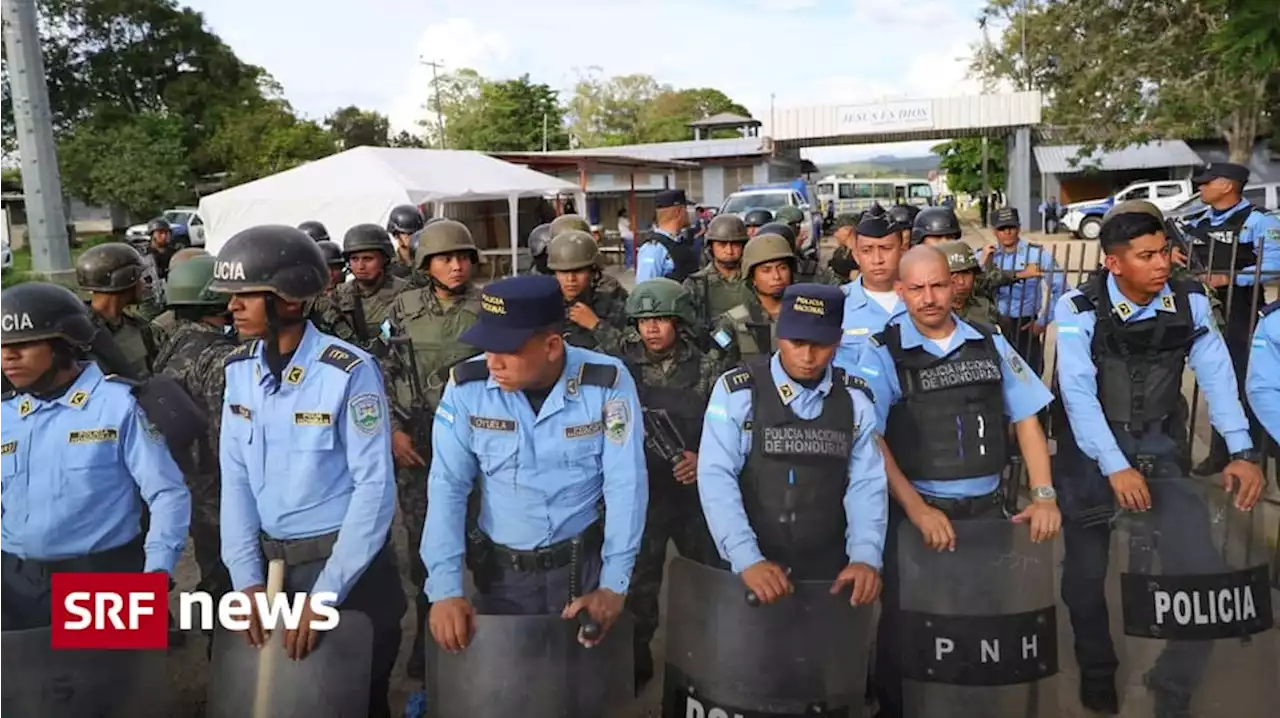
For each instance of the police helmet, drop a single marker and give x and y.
(405, 219)
(271, 258)
(332, 253)
(661, 297)
(367, 238)
(572, 250)
(159, 224)
(539, 238)
(935, 222)
(766, 247)
(785, 231)
(569, 222)
(35, 311)
(757, 217)
(727, 228)
(789, 215)
(110, 267)
(315, 230)
(903, 215)
(443, 237)
(189, 283)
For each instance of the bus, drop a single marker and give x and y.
(855, 194)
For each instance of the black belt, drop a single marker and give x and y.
(89, 563)
(966, 507)
(296, 552)
(547, 558)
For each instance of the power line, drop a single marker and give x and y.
(435, 83)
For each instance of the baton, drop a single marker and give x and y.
(267, 658)
(590, 626)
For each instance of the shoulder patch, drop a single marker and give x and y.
(591, 374)
(468, 371)
(244, 351)
(738, 379)
(334, 355)
(1081, 303)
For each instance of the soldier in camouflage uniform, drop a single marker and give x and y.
(808, 268)
(843, 264)
(424, 324)
(167, 321)
(719, 286)
(125, 344)
(366, 301)
(594, 318)
(337, 264)
(935, 226)
(194, 355)
(749, 330)
(968, 303)
(674, 378)
(405, 222)
(539, 238)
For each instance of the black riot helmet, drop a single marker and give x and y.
(271, 258)
(405, 219)
(36, 311)
(159, 224)
(332, 253)
(315, 230)
(110, 267)
(785, 231)
(539, 240)
(903, 216)
(367, 238)
(757, 217)
(935, 222)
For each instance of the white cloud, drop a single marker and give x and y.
(455, 43)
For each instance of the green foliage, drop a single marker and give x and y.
(404, 139)
(11, 179)
(961, 159)
(354, 127)
(266, 138)
(495, 116)
(633, 109)
(137, 163)
(668, 116)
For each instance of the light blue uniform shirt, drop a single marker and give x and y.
(726, 443)
(1259, 230)
(305, 457)
(863, 317)
(1078, 376)
(73, 469)
(653, 260)
(1024, 299)
(1262, 386)
(1024, 393)
(541, 476)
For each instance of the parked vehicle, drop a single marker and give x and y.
(773, 199)
(187, 224)
(1084, 219)
(1265, 195)
(854, 194)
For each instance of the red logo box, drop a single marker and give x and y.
(119, 611)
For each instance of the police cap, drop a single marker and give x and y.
(811, 313)
(109, 267)
(1227, 170)
(35, 311)
(315, 230)
(670, 198)
(512, 310)
(960, 256)
(405, 219)
(271, 258)
(1006, 217)
(876, 226)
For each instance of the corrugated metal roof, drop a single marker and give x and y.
(686, 150)
(724, 118)
(901, 118)
(1062, 159)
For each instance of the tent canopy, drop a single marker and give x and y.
(363, 184)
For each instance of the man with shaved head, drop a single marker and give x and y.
(945, 390)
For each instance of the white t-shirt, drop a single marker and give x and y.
(888, 300)
(945, 342)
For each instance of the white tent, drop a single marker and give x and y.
(363, 184)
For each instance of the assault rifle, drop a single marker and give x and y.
(661, 436)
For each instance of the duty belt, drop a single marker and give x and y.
(547, 558)
(87, 563)
(966, 507)
(296, 552)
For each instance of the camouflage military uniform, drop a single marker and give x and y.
(991, 278)
(137, 341)
(746, 332)
(714, 294)
(608, 285)
(980, 309)
(608, 333)
(375, 306)
(167, 321)
(400, 270)
(194, 355)
(329, 319)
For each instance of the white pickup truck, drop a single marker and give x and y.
(1084, 219)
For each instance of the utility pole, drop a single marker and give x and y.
(435, 83)
(33, 120)
(544, 132)
(773, 127)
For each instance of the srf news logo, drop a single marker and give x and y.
(130, 611)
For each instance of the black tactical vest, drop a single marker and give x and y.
(950, 423)
(684, 256)
(1140, 364)
(686, 410)
(1222, 241)
(793, 482)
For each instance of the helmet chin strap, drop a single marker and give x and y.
(45, 386)
(451, 291)
(271, 345)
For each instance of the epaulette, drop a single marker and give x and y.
(244, 351)
(1269, 309)
(469, 371)
(131, 383)
(738, 379)
(1186, 285)
(334, 355)
(1081, 303)
(878, 339)
(605, 375)
(986, 330)
(854, 381)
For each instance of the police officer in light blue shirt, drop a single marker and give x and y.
(871, 299)
(78, 458)
(670, 251)
(775, 434)
(307, 473)
(1263, 385)
(544, 431)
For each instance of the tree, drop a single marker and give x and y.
(496, 116)
(404, 139)
(266, 138)
(1118, 72)
(961, 159)
(138, 164)
(667, 116)
(605, 112)
(354, 127)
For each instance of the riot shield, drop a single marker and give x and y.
(978, 626)
(532, 667)
(333, 681)
(803, 655)
(39, 681)
(1196, 605)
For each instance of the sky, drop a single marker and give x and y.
(326, 54)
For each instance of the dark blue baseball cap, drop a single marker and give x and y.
(670, 198)
(512, 310)
(811, 313)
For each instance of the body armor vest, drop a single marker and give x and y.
(686, 410)
(684, 256)
(793, 481)
(756, 334)
(1222, 242)
(950, 423)
(435, 336)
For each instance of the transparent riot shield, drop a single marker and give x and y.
(803, 655)
(978, 626)
(39, 681)
(332, 681)
(532, 667)
(1195, 605)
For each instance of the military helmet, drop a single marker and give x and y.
(765, 247)
(34, 311)
(332, 253)
(110, 267)
(567, 222)
(367, 237)
(443, 237)
(186, 253)
(935, 222)
(785, 231)
(405, 219)
(271, 258)
(159, 224)
(789, 215)
(727, 228)
(572, 250)
(960, 256)
(757, 217)
(189, 283)
(315, 230)
(661, 297)
(539, 238)
(1133, 206)
(903, 215)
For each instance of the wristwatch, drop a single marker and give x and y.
(1044, 493)
(1253, 456)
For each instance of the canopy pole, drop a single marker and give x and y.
(513, 203)
(634, 219)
